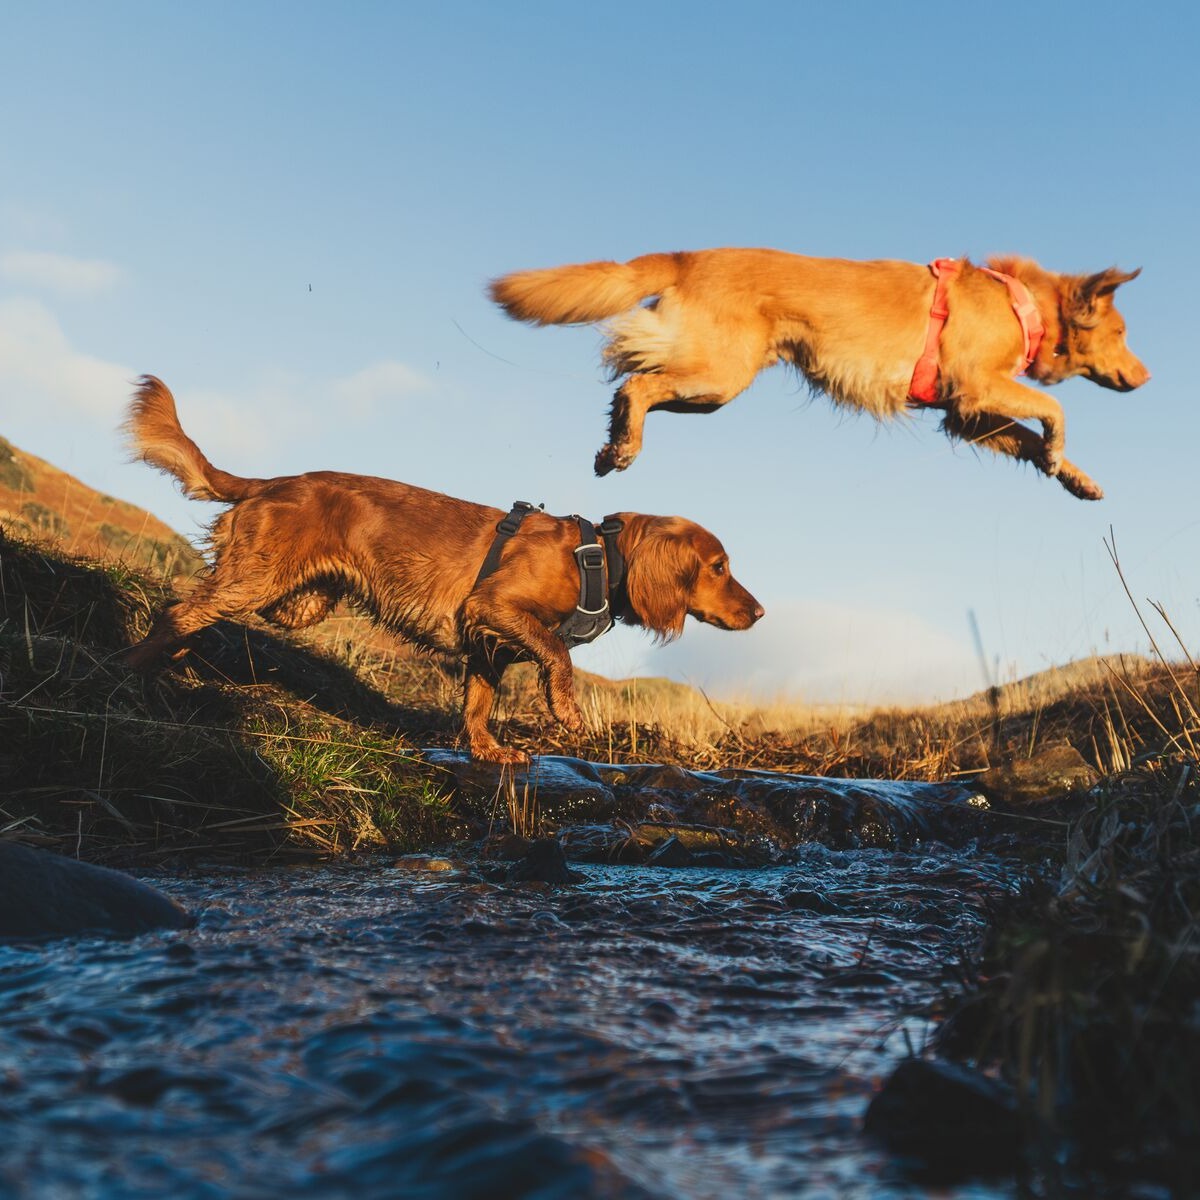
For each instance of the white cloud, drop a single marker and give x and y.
(39, 366)
(381, 383)
(808, 652)
(60, 273)
(260, 428)
(279, 421)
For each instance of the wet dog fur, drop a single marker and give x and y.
(289, 548)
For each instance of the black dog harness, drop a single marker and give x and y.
(601, 572)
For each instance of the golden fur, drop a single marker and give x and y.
(290, 548)
(690, 331)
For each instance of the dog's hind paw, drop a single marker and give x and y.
(611, 458)
(1052, 461)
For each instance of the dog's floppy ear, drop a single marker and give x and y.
(662, 572)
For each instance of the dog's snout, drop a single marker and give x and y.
(758, 613)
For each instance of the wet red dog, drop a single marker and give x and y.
(290, 548)
(690, 331)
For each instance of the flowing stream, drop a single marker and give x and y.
(366, 1030)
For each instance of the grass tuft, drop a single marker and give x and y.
(255, 745)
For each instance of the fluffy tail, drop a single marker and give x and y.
(578, 295)
(155, 436)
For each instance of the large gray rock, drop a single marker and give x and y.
(46, 895)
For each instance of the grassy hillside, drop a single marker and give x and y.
(37, 499)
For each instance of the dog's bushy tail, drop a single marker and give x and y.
(578, 295)
(154, 434)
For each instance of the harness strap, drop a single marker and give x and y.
(923, 388)
(592, 615)
(608, 529)
(504, 530)
(1033, 328)
(601, 572)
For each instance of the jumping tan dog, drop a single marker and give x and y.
(854, 330)
(288, 549)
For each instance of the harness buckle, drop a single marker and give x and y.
(590, 557)
(511, 522)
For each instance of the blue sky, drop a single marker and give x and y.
(289, 212)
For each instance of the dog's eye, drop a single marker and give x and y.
(718, 568)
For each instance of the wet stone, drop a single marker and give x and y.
(671, 853)
(507, 846)
(1052, 772)
(602, 844)
(750, 818)
(544, 862)
(946, 1118)
(44, 895)
(567, 789)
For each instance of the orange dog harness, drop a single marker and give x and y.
(923, 388)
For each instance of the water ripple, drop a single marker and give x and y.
(357, 1030)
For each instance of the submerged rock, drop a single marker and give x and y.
(946, 1118)
(44, 895)
(671, 853)
(424, 862)
(544, 862)
(809, 900)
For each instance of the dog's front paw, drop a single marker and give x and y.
(504, 755)
(612, 458)
(1079, 484)
(568, 716)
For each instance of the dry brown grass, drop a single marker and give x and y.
(349, 690)
(1103, 707)
(1085, 991)
(37, 500)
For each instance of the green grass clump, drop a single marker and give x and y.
(349, 787)
(254, 745)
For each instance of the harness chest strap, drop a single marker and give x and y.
(601, 572)
(592, 615)
(925, 374)
(923, 388)
(1033, 328)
